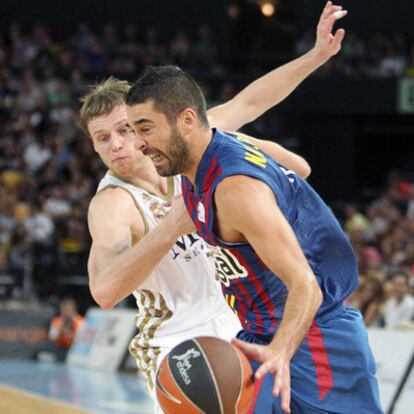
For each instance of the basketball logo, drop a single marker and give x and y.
(205, 375)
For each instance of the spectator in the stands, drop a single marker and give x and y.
(63, 329)
(399, 308)
(368, 299)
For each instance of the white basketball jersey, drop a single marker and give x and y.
(182, 296)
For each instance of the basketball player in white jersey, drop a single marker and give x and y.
(128, 254)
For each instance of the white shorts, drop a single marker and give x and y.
(224, 326)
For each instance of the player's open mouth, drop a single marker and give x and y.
(156, 159)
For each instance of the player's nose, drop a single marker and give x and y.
(140, 144)
(117, 142)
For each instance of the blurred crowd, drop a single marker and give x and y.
(48, 171)
(380, 55)
(122, 52)
(382, 235)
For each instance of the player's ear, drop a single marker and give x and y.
(187, 120)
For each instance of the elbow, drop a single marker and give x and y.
(305, 169)
(103, 298)
(106, 304)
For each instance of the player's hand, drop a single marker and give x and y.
(274, 361)
(328, 43)
(179, 218)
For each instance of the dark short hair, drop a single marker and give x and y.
(171, 90)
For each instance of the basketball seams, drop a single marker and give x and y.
(241, 381)
(212, 375)
(166, 392)
(182, 391)
(208, 374)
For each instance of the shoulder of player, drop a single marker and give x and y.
(114, 203)
(246, 204)
(114, 198)
(241, 201)
(237, 189)
(114, 210)
(232, 149)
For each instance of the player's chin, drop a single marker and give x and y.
(165, 169)
(123, 170)
(165, 172)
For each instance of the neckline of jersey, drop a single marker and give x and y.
(205, 161)
(170, 187)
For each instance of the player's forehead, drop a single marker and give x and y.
(107, 122)
(142, 112)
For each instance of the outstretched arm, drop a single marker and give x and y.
(274, 87)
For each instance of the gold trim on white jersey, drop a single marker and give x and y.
(156, 312)
(170, 187)
(141, 212)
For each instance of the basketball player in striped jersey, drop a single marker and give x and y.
(129, 254)
(295, 265)
(160, 269)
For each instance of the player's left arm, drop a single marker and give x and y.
(275, 86)
(259, 220)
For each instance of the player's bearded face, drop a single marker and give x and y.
(176, 158)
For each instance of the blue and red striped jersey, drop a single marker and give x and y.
(260, 295)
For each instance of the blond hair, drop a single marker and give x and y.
(102, 99)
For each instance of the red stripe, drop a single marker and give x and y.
(262, 293)
(251, 304)
(320, 359)
(272, 310)
(208, 179)
(257, 387)
(188, 195)
(212, 175)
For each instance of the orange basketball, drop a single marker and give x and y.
(205, 375)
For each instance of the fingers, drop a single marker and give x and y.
(325, 11)
(327, 43)
(280, 369)
(328, 10)
(278, 382)
(339, 36)
(326, 28)
(339, 14)
(251, 350)
(263, 370)
(282, 387)
(285, 393)
(329, 16)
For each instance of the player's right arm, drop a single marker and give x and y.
(122, 256)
